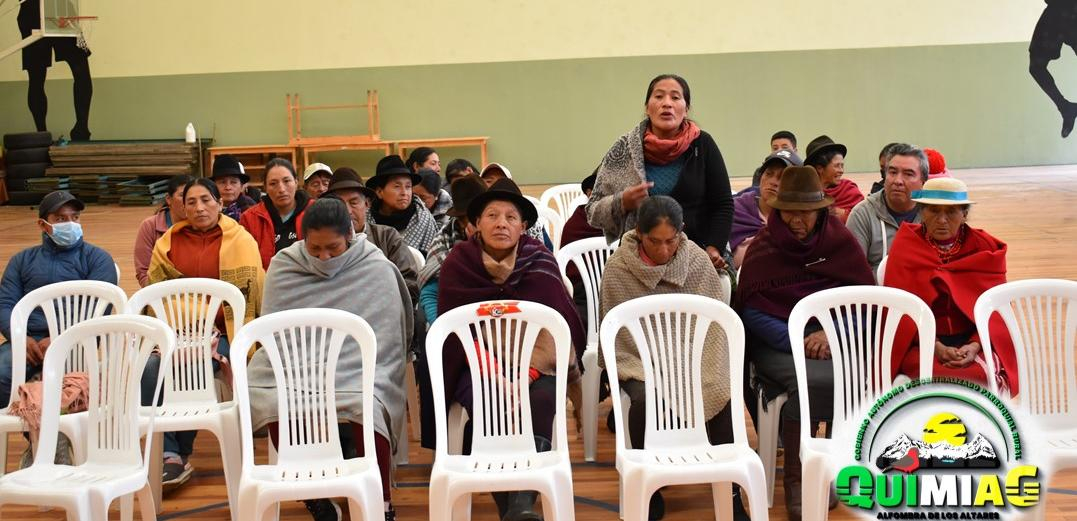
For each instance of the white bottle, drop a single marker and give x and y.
(190, 136)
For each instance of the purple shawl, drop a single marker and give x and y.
(746, 220)
(464, 280)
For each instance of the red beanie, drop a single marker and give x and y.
(937, 163)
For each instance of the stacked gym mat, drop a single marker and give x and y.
(26, 157)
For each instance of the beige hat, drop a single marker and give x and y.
(943, 191)
(314, 168)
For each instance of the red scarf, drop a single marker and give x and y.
(914, 266)
(779, 270)
(846, 195)
(658, 151)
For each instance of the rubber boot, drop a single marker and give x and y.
(739, 513)
(791, 473)
(521, 505)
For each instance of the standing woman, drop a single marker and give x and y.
(277, 221)
(154, 226)
(666, 154)
(205, 245)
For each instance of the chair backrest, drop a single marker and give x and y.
(565, 199)
(880, 271)
(303, 346)
(589, 256)
(670, 333)
(115, 349)
(860, 323)
(726, 286)
(190, 307)
(420, 259)
(1041, 316)
(553, 224)
(64, 304)
(498, 339)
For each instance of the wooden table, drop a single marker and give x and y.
(384, 146)
(403, 145)
(263, 151)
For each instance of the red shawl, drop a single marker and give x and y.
(846, 195)
(658, 151)
(914, 266)
(779, 270)
(464, 280)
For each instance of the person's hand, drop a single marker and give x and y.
(945, 354)
(33, 355)
(716, 257)
(634, 195)
(964, 355)
(816, 346)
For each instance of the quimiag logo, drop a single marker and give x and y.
(939, 449)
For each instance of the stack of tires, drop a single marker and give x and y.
(27, 157)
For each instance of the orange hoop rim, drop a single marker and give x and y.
(64, 21)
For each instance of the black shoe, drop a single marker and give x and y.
(657, 508)
(611, 423)
(390, 514)
(175, 473)
(1069, 115)
(80, 133)
(326, 510)
(739, 514)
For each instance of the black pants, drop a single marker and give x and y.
(543, 406)
(719, 428)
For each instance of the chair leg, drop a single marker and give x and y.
(722, 493)
(589, 408)
(635, 499)
(414, 416)
(815, 496)
(127, 507)
(558, 502)
(461, 508)
(769, 418)
(229, 438)
(757, 498)
(3, 453)
(146, 506)
(155, 468)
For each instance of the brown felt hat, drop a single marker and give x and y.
(463, 190)
(800, 189)
(346, 178)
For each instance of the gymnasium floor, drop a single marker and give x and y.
(1029, 208)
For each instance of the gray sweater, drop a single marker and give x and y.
(868, 221)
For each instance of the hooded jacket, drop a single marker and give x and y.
(867, 222)
(259, 223)
(46, 264)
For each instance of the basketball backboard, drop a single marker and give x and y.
(40, 19)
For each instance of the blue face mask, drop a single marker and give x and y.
(66, 233)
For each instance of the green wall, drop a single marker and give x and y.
(551, 121)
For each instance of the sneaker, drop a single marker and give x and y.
(324, 510)
(657, 508)
(390, 513)
(176, 472)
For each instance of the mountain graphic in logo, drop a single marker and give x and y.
(943, 447)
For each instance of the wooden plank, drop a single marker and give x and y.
(118, 170)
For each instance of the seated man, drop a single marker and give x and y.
(62, 256)
(316, 178)
(802, 249)
(329, 268)
(348, 187)
(906, 172)
(500, 262)
(750, 209)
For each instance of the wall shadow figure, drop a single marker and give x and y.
(36, 60)
(1057, 27)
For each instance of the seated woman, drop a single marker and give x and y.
(500, 262)
(750, 208)
(949, 265)
(802, 249)
(398, 207)
(154, 226)
(435, 199)
(205, 245)
(327, 269)
(828, 160)
(657, 258)
(232, 182)
(276, 222)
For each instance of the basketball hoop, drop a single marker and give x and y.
(81, 26)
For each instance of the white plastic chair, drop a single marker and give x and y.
(503, 455)
(64, 305)
(553, 224)
(881, 270)
(190, 307)
(115, 350)
(589, 256)
(860, 323)
(303, 346)
(669, 331)
(1041, 316)
(565, 199)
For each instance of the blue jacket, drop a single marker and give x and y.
(47, 264)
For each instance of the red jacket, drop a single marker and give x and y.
(257, 221)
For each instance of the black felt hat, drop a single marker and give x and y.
(503, 190)
(228, 166)
(389, 167)
(463, 190)
(822, 145)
